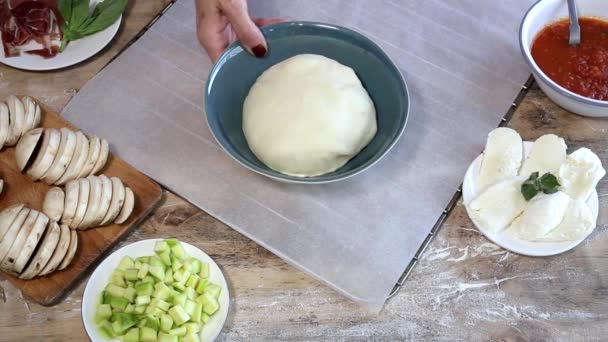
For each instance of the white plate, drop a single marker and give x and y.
(76, 51)
(102, 274)
(506, 238)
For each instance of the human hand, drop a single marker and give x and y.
(221, 22)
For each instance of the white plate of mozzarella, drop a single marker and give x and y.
(547, 224)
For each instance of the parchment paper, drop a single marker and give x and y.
(462, 63)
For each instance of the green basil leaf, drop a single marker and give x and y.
(533, 176)
(106, 16)
(80, 12)
(529, 190)
(65, 9)
(549, 183)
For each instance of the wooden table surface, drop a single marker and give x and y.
(464, 287)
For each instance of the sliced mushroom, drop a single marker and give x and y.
(127, 208)
(54, 203)
(17, 118)
(60, 252)
(118, 199)
(78, 160)
(94, 151)
(44, 253)
(1, 185)
(51, 139)
(9, 260)
(7, 216)
(105, 200)
(84, 188)
(67, 146)
(5, 124)
(29, 106)
(26, 146)
(13, 231)
(71, 250)
(94, 202)
(103, 157)
(28, 248)
(71, 202)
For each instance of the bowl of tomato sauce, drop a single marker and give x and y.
(574, 77)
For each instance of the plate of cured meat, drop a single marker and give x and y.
(54, 34)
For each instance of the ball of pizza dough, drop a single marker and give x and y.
(308, 116)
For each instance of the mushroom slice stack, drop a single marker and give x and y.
(32, 245)
(56, 156)
(90, 202)
(17, 116)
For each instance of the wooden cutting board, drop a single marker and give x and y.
(93, 244)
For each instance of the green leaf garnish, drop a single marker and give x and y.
(79, 23)
(547, 183)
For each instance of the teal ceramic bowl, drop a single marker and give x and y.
(236, 71)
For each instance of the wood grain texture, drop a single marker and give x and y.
(92, 243)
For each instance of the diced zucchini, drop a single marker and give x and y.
(130, 308)
(172, 242)
(118, 278)
(190, 293)
(130, 294)
(178, 251)
(179, 315)
(161, 246)
(140, 309)
(155, 261)
(166, 322)
(132, 335)
(202, 285)
(179, 286)
(131, 274)
(195, 265)
(119, 303)
(103, 312)
(154, 311)
(165, 337)
(162, 291)
(143, 259)
(210, 304)
(205, 318)
(204, 274)
(196, 313)
(121, 326)
(168, 276)
(105, 328)
(179, 299)
(143, 271)
(165, 257)
(115, 290)
(137, 264)
(161, 304)
(149, 278)
(214, 290)
(192, 337)
(189, 306)
(126, 262)
(141, 300)
(147, 334)
(144, 289)
(176, 264)
(153, 322)
(158, 272)
(181, 275)
(180, 331)
(193, 281)
(192, 328)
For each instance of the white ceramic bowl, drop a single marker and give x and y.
(102, 273)
(541, 14)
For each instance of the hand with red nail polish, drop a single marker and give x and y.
(221, 22)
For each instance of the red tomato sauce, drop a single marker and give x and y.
(581, 69)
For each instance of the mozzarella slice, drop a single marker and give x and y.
(497, 206)
(548, 153)
(502, 157)
(580, 173)
(577, 224)
(542, 214)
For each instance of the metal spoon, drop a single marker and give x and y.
(575, 28)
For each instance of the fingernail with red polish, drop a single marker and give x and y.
(259, 51)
